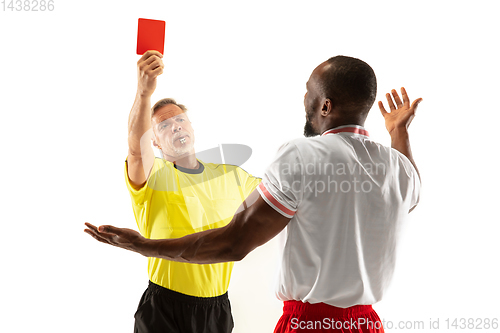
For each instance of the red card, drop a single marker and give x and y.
(150, 35)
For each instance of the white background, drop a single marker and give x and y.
(67, 83)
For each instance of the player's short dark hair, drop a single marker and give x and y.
(166, 101)
(350, 83)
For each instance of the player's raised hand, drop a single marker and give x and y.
(401, 112)
(149, 66)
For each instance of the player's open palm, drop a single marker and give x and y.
(127, 239)
(401, 112)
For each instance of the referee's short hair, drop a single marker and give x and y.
(166, 101)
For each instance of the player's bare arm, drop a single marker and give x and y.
(140, 154)
(250, 228)
(398, 120)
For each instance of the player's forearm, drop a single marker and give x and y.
(207, 247)
(139, 122)
(400, 140)
(253, 225)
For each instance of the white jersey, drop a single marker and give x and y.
(347, 198)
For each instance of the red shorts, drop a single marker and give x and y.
(320, 317)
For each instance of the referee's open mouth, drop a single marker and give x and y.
(182, 139)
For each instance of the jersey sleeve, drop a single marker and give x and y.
(248, 182)
(281, 186)
(142, 196)
(415, 180)
(411, 179)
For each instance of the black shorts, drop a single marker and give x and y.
(167, 311)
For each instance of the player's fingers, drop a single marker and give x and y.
(93, 231)
(382, 109)
(91, 226)
(109, 229)
(391, 103)
(406, 99)
(415, 104)
(396, 98)
(96, 236)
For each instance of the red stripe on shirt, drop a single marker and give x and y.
(274, 201)
(355, 130)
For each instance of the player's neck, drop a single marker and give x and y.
(341, 122)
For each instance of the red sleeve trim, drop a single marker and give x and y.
(275, 202)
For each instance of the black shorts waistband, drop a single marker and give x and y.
(174, 295)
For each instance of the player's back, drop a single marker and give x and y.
(351, 195)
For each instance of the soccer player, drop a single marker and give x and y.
(341, 196)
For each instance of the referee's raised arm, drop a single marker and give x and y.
(140, 154)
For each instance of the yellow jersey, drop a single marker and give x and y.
(176, 202)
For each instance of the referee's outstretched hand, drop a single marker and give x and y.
(402, 113)
(124, 238)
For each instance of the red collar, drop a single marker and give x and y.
(356, 129)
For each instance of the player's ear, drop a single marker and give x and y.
(327, 107)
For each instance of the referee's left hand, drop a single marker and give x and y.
(124, 238)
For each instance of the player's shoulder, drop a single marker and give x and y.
(312, 141)
(294, 144)
(308, 145)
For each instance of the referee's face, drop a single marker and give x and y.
(174, 134)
